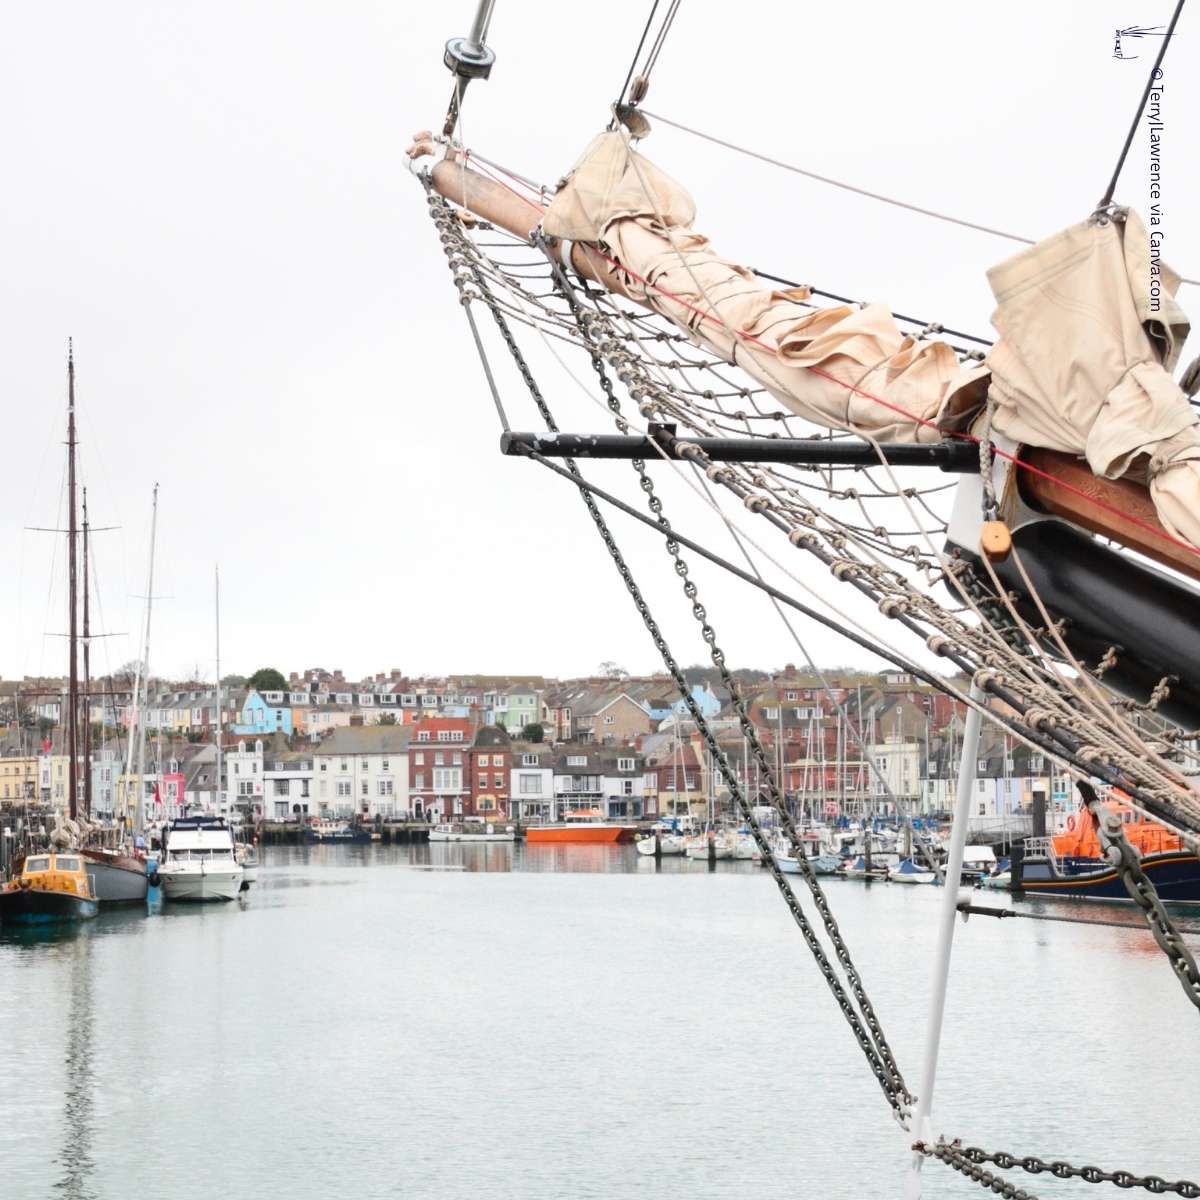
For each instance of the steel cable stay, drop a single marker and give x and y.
(1095, 740)
(946, 1152)
(966, 1161)
(954, 629)
(864, 1024)
(647, 486)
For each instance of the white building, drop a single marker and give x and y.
(899, 762)
(363, 770)
(288, 786)
(243, 778)
(531, 783)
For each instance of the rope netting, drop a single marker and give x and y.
(879, 529)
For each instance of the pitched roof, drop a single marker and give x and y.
(367, 739)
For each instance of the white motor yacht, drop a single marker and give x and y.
(199, 861)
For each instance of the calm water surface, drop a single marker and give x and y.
(454, 1021)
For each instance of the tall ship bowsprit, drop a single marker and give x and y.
(1054, 595)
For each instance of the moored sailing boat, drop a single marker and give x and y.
(51, 887)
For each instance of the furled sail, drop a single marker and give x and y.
(1082, 364)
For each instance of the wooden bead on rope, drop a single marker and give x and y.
(995, 540)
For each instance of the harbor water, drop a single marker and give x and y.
(567, 1021)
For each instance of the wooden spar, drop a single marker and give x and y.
(72, 534)
(501, 206)
(87, 672)
(492, 202)
(1124, 499)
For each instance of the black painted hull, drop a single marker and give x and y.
(30, 906)
(1176, 878)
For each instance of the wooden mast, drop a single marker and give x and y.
(72, 535)
(87, 674)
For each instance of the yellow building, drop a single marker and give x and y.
(18, 779)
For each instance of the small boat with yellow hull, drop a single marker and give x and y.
(50, 888)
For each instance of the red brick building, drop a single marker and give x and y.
(438, 766)
(490, 759)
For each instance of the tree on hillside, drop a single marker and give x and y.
(267, 679)
(610, 670)
(233, 681)
(533, 732)
(388, 719)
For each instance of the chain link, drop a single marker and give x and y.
(598, 336)
(949, 1151)
(882, 1065)
(1125, 860)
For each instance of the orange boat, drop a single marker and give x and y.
(1082, 841)
(584, 826)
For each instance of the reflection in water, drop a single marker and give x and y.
(75, 1157)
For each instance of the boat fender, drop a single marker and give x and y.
(1071, 822)
(153, 878)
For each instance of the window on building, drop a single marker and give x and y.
(345, 765)
(624, 764)
(439, 759)
(458, 758)
(343, 787)
(482, 782)
(982, 764)
(483, 760)
(610, 720)
(384, 764)
(529, 785)
(772, 714)
(422, 735)
(324, 765)
(1035, 762)
(627, 787)
(245, 788)
(981, 784)
(385, 787)
(281, 787)
(529, 760)
(420, 780)
(366, 787)
(576, 760)
(791, 695)
(497, 781)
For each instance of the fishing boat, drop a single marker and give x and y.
(117, 877)
(50, 888)
(325, 829)
(714, 845)
(584, 826)
(909, 872)
(199, 861)
(999, 878)
(978, 861)
(662, 842)
(858, 868)
(1076, 451)
(471, 829)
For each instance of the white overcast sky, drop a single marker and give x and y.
(212, 199)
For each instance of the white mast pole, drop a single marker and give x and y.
(139, 819)
(217, 789)
(922, 1125)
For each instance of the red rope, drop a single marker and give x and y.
(1112, 509)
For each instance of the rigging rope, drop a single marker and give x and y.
(870, 195)
(862, 1019)
(1155, 73)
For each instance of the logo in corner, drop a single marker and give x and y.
(1132, 32)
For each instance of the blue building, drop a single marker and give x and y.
(264, 714)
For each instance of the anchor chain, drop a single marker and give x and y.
(590, 326)
(1059, 1169)
(466, 272)
(1124, 858)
